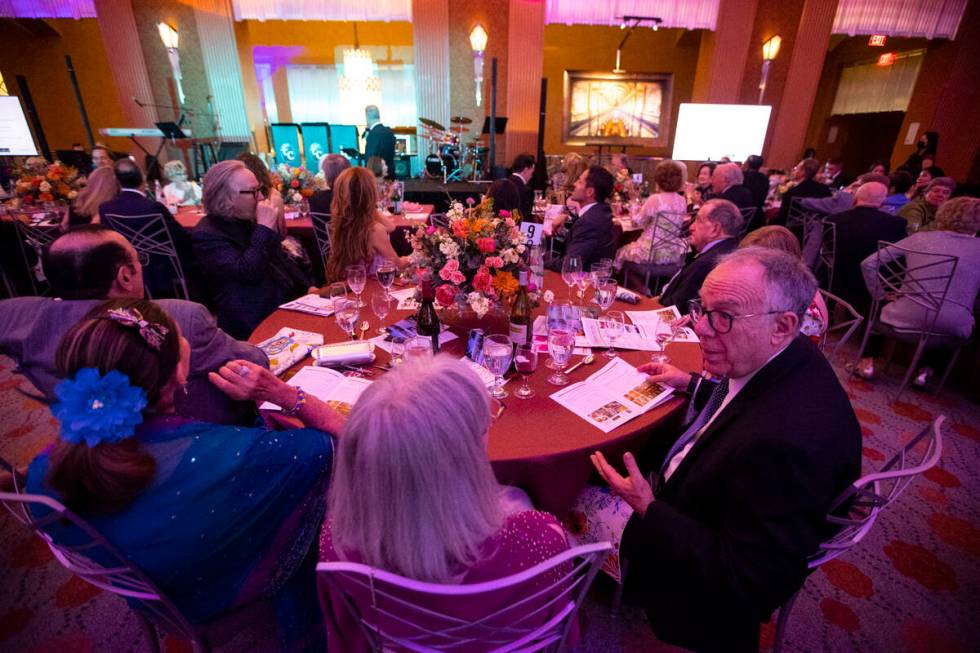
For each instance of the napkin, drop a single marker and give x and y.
(344, 353)
(288, 347)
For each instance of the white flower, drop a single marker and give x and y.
(521, 248)
(509, 256)
(449, 248)
(297, 198)
(45, 187)
(72, 194)
(548, 296)
(478, 303)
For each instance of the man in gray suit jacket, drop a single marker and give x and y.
(85, 267)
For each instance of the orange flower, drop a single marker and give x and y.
(505, 283)
(306, 192)
(45, 197)
(63, 189)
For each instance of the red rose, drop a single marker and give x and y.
(486, 245)
(294, 183)
(446, 294)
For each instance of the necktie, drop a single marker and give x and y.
(714, 402)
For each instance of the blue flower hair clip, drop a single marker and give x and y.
(95, 408)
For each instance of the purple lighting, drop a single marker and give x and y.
(47, 9)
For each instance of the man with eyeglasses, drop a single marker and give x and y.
(722, 529)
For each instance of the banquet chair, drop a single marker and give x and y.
(321, 233)
(848, 322)
(811, 234)
(439, 220)
(859, 506)
(150, 236)
(666, 235)
(924, 285)
(826, 255)
(533, 610)
(34, 239)
(748, 221)
(796, 215)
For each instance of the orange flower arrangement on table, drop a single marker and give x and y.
(295, 184)
(38, 181)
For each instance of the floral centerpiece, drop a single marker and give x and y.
(474, 259)
(39, 181)
(295, 184)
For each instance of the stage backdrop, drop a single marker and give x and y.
(617, 108)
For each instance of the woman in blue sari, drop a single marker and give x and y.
(219, 517)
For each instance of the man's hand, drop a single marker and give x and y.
(665, 373)
(266, 215)
(634, 489)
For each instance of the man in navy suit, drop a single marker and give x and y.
(380, 139)
(590, 235)
(520, 175)
(726, 184)
(132, 201)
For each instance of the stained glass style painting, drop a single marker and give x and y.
(616, 109)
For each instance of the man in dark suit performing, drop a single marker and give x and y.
(132, 201)
(520, 175)
(713, 233)
(590, 235)
(89, 265)
(720, 538)
(380, 139)
(755, 181)
(726, 184)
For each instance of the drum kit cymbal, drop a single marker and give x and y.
(450, 157)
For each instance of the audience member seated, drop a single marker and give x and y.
(807, 186)
(131, 202)
(925, 153)
(701, 192)
(331, 166)
(899, 184)
(726, 184)
(572, 167)
(101, 157)
(590, 235)
(414, 494)
(359, 234)
(954, 233)
(858, 232)
(920, 212)
(520, 175)
(880, 167)
(833, 174)
(714, 233)
(926, 175)
(814, 323)
(755, 181)
(217, 516)
(619, 165)
(238, 247)
(180, 191)
(100, 187)
(85, 267)
(739, 503)
(506, 196)
(667, 204)
(843, 199)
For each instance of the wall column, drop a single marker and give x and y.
(724, 52)
(430, 36)
(524, 77)
(216, 33)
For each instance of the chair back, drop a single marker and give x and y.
(864, 500)
(827, 254)
(849, 323)
(748, 219)
(439, 220)
(529, 611)
(923, 282)
(150, 235)
(796, 215)
(666, 235)
(91, 557)
(35, 239)
(321, 232)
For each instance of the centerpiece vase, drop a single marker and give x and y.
(463, 318)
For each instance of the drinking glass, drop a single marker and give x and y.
(611, 325)
(346, 314)
(418, 348)
(525, 361)
(583, 279)
(357, 279)
(561, 342)
(381, 305)
(397, 352)
(570, 267)
(605, 294)
(561, 315)
(663, 339)
(386, 275)
(601, 273)
(497, 352)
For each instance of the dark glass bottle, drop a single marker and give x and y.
(427, 320)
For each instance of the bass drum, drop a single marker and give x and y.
(433, 165)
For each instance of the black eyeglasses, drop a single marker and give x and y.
(253, 192)
(720, 321)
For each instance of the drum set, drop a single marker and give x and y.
(450, 156)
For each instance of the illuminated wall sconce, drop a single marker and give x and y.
(171, 40)
(478, 41)
(769, 51)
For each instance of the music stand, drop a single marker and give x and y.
(499, 125)
(169, 130)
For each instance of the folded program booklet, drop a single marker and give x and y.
(329, 386)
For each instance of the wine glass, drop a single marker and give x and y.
(497, 352)
(334, 292)
(381, 305)
(601, 273)
(386, 275)
(418, 348)
(583, 280)
(605, 294)
(525, 361)
(570, 267)
(561, 342)
(676, 326)
(346, 314)
(560, 315)
(611, 325)
(357, 279)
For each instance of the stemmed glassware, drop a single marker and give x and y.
(357, 279)
(601, 272)
(346, 313)
(381, 306)
(525, 361)
(419, 347)
(560, 315)
(677, 326)
(612, 326)
(561, 342)
(571, 266)
(335, 291)
(583, 279)
(386, 275)
(605, 294)
(497, 352)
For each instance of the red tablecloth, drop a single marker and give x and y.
(189, 216)
(536, 444)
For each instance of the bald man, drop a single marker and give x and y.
(85, 267)
(858, 232)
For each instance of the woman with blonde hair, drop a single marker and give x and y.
(359, 235)
(100, 187)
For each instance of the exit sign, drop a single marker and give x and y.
(887, 59)
(877, 40)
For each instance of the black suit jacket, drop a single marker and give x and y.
(740, 196)
(806, 188)
(527, 197)
(381, 142)
(727, 538)
(591, 235)
(687, 283)
(858, 232)
(758, 185)
(320, 201)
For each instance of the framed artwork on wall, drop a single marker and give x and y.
(605, 108)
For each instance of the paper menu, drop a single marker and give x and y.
(380, 341)
(613, 395)
(635, 336)
(660, 321)
(312, 304)
(406, 299)
(329, 386)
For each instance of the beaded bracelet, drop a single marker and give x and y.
(298, 406)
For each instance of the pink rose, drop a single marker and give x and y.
(431, 229)
(510, 223)
(486, 245)
(494, 262)
(445, 294)
(505, 213)
(483, 282)
(449, 269)
(458, 278)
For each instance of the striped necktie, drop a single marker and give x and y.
(714, 402)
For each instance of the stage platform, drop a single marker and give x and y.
(431, 191)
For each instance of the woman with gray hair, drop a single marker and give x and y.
(180, 190)
(413, 492)
(920, 212)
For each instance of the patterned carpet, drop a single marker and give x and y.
(905, 588)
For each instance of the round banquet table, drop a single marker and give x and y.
(535, 444)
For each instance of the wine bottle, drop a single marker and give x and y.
(520, 314)
(427, 321)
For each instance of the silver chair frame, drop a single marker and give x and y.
(665, 234)
(151, 237)
(321, 233)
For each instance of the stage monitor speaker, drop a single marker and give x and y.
(228, 151)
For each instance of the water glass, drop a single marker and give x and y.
(397, 352)
(561, 343)
(386, 275)
(381, 305)
(418, 348)
(497, 352)
(357, 279)
(583, 279)
(605, 294)
(525, 361)
(346, 314)
(335, 291)
(561, 315)
(571, 266)
(601, 273)
(612, 326)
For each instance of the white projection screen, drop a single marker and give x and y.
(15, 135)
(708, 132)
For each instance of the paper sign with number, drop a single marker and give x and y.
(532, 233)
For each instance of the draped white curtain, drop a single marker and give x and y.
(922, 18)
(314, 95)
(384, 10)
(688, 14)
(47, 9)
(870, 88)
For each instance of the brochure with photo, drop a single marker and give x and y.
(329, 386)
